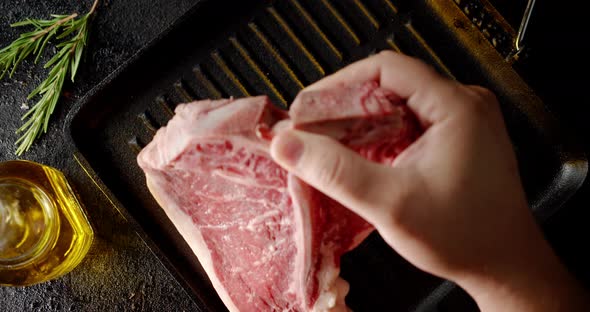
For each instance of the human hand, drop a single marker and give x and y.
(452, 203)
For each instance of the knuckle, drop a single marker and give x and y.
(483, 92)
(479, 101)
(386, 54)
(487, 94)
(392, 57)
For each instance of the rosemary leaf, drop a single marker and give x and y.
(74, 31)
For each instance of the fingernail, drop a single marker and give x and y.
(287, 148)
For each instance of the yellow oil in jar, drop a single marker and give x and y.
(44, 232)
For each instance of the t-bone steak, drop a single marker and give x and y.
(267, 240)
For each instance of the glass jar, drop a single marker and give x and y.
(44, 232)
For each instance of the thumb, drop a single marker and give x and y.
(369, 189)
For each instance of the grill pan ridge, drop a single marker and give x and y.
(228, 48)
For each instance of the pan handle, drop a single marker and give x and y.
(522, 30)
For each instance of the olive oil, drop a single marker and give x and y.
(44, 232)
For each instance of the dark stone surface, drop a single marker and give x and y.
(120, 273)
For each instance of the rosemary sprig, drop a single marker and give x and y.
(71, 28)
(31, 42)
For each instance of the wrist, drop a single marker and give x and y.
(531, 282)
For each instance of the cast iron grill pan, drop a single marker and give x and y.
(228, 48)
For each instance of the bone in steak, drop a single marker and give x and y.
(267, 240)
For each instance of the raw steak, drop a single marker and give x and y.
(267, 240)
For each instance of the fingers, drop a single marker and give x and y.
(408, 77)
(367, 188)
(399, 73)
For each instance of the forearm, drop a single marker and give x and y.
(538, 283)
